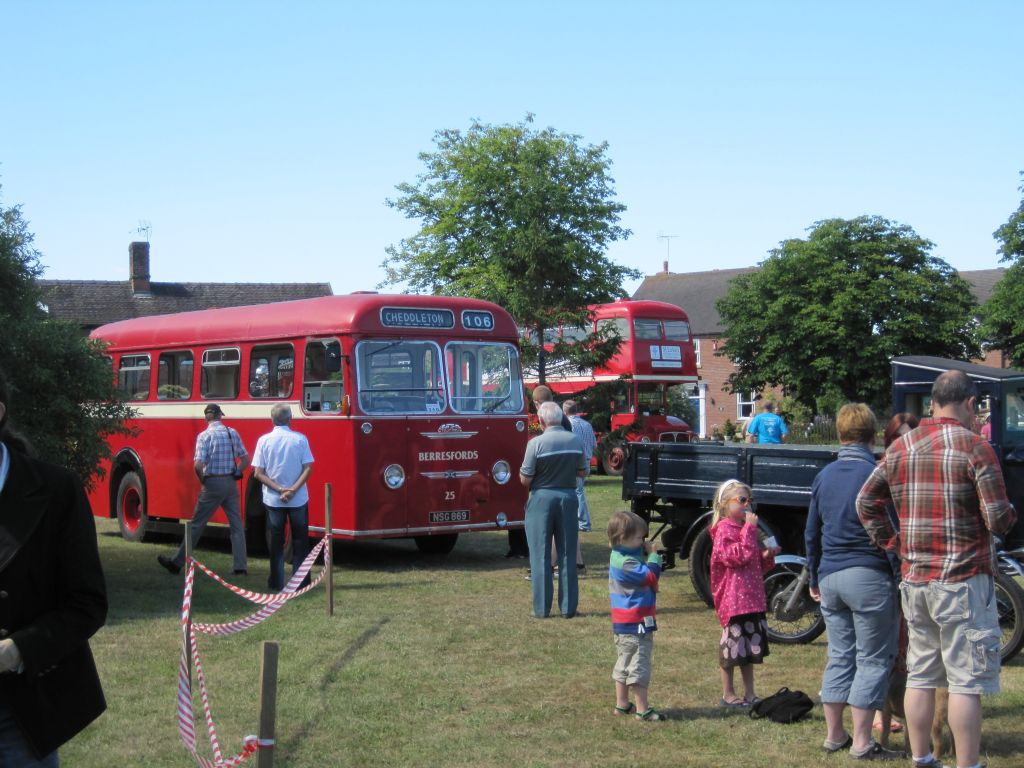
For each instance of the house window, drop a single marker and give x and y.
(696, 351)
(745, 405)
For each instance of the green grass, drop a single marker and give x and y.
(438, 662)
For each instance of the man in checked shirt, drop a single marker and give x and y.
(947, 488)
(219, 462)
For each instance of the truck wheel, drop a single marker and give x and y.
(131, 508)
(1010, 604)
(436, 545)
(613, 460)
(700, 566)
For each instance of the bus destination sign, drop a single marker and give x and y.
(477, 320)
(407, 317)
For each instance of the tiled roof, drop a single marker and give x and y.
(983, 281)
(92, 303)
(697, 292)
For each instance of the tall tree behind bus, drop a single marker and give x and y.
(823, 317)
(1003, 313)
(62, 390)
(519, 217)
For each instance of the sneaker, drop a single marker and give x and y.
(931, 762)
(169, 564)
(877, 752)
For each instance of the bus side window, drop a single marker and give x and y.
(221, 373)
(271, 371)
(133, 376)
(323, 386)
(174, 376)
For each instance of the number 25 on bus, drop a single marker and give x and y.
(413, 406)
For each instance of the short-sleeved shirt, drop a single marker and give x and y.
(217, 447)
(769, 427)
(948, 491)
(552, 459)
(282, 454)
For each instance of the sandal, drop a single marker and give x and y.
(735, 704)
(626, 710)
(650, 716)
(835, 746)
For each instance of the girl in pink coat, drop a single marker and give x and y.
(738, 565)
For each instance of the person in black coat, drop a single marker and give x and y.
(52, 600)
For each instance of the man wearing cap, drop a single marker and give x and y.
(219, 462)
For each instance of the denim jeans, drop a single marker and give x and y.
(14, 749)
(583, 514)
(859, 606)
(298, 518)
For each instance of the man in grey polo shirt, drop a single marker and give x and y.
(552, 463)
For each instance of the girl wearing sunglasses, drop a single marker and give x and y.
(738, 565)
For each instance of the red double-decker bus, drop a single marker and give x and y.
(656, 353)
(413, 406)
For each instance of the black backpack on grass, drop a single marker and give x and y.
(784, 706)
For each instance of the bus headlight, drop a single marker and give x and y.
(501, 472)
(645, 439)
(394, 477)
(501, 520)
(520, 426)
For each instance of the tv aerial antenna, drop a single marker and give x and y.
(145, 229)
(668, 243)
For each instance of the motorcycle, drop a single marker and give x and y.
(795, 618)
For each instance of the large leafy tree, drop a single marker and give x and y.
(521, 217)
(1003, 313)
(62, 394)
(823, 316)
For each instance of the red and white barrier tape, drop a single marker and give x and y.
(271, 603)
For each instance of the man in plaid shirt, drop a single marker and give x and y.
(947, 488)
(220, 459)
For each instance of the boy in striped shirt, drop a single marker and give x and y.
(633, 574)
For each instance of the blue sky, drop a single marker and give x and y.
(260, 140)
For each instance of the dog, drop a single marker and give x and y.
(940, 720)
(894, 701)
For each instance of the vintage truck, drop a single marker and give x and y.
(672, 484)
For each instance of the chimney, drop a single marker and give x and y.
(666, 266)
(138, 268)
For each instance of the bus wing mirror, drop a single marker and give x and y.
(332, 357)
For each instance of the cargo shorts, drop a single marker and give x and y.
(633, 667)
(954, 635)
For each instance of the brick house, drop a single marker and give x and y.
(697, 293)
(92, 303)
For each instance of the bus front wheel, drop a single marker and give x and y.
(131, 508)
(437, 545)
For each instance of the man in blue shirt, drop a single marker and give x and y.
(767, 426)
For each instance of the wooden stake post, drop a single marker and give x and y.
(329, 531)
(268, 705)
